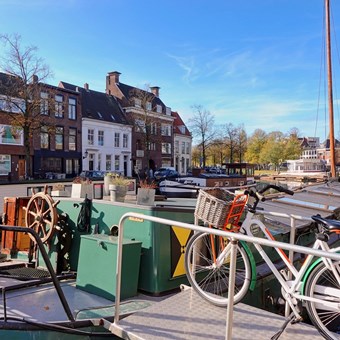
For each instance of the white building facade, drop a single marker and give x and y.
(106, 146)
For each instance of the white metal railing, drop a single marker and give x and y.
(116, 329)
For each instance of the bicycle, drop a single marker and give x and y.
(316, 284)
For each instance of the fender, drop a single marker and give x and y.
(308, 271)
(252, 264)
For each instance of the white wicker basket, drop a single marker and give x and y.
(213, 206)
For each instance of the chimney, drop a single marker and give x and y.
(86, 86)
(155, 90)
(35, 79)
(112, 78)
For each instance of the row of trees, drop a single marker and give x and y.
(228, 143)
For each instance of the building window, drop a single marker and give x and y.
(117, 165)
(117, 137)
(140, 125)
(72, 108)
(187, 148)
(152, 146)
(183, 148)
(138, 102)
(5, 164)
(44, 138)
(108, 162)
(59, 106)
(166, 130)
(154, 128)
(12, 105)
(176, 146)
(59, 138)
(159, 108)
(125, 140)
(99, 167)
(148, 106)
(44, 103)
(68, 164)
(166, 148)
(72, 139)
(11, 135)
(90, 136)
(101, 138)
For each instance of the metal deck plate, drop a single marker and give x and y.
(187, 316)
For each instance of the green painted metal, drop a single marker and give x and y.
(27, 334)
(252, 264)
(155, 263)
(98, 262)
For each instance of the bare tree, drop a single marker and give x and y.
(20, 91)
(230, 137)
(241, 137)
(202, 126)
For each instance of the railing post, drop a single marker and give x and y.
(119, 269)
(231, 290)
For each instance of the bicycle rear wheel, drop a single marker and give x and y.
(324, 286)
(209, 280)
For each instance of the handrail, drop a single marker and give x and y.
(218, 232)
(48, 265)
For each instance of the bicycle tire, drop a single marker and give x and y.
(208, 280)
(322, 284)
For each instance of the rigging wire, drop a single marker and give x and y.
(323, 79)
(335, 40)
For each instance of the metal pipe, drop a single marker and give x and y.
(48, 265)
(230, 310)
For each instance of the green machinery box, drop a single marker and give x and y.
(97, 266)
(163, 246)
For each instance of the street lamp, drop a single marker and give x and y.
(85, 154)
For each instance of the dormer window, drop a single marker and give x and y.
(168, 111)
(138, 102)
(148, 106)
(159, 108)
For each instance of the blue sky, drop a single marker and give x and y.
(251, 62)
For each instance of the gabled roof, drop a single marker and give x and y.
(178, 123)
(98, 105)
(127, 90)
(326, 144)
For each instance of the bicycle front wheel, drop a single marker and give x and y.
(323, 285)
(209, 275)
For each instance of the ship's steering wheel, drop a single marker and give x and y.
(41, 215)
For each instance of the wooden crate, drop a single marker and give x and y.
(14, 215)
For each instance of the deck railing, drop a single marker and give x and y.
(116, 329)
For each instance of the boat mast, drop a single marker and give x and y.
(330, 90)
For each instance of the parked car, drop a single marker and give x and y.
(166, 173)
(93, 174)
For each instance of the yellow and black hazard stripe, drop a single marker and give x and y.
(179, 239)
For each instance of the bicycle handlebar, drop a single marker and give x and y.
(260, 198)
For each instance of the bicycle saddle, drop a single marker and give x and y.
(333, 226)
